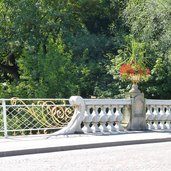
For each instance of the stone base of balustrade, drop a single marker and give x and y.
(158, 126)
(137, 124)
(103, 130)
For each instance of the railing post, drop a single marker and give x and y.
(4, 117)
(138, 113)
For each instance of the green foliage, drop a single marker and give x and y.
(51, 73)
(63, 47)
(133, 54)
(45, 75)
(150, 21)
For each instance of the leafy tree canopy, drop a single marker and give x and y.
(59, 48)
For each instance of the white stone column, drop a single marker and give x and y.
(138, 113)
(103, 119)
(150, 117)
(111, 119)
(87, 120)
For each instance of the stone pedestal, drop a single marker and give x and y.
(138, 115)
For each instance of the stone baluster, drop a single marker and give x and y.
(168, 114)
(87, 120)
(103, 119)
(118, 118)
(163, 117)
(95, 119)
(150, 118)
(156, 118)
(111, 119)
(148, 114)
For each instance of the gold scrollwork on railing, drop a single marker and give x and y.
(48, 113)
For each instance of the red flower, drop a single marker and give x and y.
(128, 70)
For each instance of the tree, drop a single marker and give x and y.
(150, 22)
(28, 34)
(46, 44)
(102, 32)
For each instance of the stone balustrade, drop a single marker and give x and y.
(78, 115)
(104, 115)
(96, 116)
(158, 114)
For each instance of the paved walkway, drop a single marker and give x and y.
(22, 145)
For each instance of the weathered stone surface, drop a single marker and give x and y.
(137, 118)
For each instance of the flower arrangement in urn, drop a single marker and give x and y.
(134, 69)
(134, 72)
(130, 64)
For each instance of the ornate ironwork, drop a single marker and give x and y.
(48, 113)
(34, 116)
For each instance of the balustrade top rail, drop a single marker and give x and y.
(107, 101)
(157, 102)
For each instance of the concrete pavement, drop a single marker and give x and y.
(23, 145)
